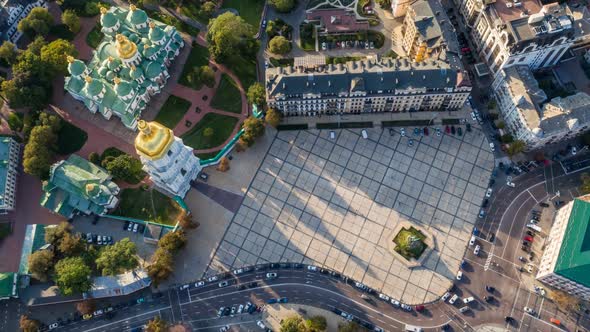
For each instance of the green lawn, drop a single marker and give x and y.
(94, 37)
(250, 10)
(150, 205)
(198, 57)
(222, 128)
(227, 96)
(70, 138)
(244, 68)
(402, 243)
(172, 111)
(208, 155)
(171, 20)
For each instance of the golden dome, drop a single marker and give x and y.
(152, 25)
(126, 49)
(88, 79)
(103, 10)
(70, 59)
(132, 7)
(153, 140)
(116, 80)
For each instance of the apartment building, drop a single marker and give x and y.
(427, 31)
(11, 13)
(566, 259)
(528, 115)
(9, 164)
(374, 85)
(519, 32)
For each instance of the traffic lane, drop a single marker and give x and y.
(131, 320)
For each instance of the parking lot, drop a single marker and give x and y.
(335, 203)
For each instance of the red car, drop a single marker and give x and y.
(419, 308)
(447, 129)
(528, 238)
(426, 131)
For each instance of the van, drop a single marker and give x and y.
(534, 227)
(413, 328)
(364, 133)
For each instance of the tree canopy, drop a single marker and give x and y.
(273, 117)
(227, 35)
(38, 22)
(293, 324)
(279, 45)
(256, 94)
(161, 267)
(8, 52)
(118, 258)
(71, 20)
(41, 264)
(55, 54)
(316, 324)
(29, 325)
(72, 275)
(253, 128)
(38, 154)
(124, 167)
(283, 6)
(156, 325)
(172, 241)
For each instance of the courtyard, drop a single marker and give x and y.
(334, 203)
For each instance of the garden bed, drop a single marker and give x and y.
(402, 241)
(222, 126)
(149, 205)
(227, 96)
(172, 111)
(198, 57)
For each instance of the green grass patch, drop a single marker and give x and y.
(282, 62)
(62, 31)
(198, 57)
(403, 243)
(307, 36)
(70, 138)
(222, 126)
(111, 152)
(171, 20)
(227, 96)
(207, 155)
(94, 37)
(150, 205)
(172, 111)
(250, 10)
(245, 69)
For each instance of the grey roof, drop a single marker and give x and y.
(368, 75)
(433, 25)
(525, 89)
(567, 113)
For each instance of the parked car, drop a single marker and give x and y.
(445, 296)
(489, 192)
(476, 250)
(530, 311)
(183, 287)
(403, 132)
(406, 307)
(212, 278)
(472, 240)
(271, 275)
(312, 268)
(459, 275)
(384, 297)
(410, 142)
(199, 283)
(360, 286)
(468, 299)
(453, 299)
(223, 284)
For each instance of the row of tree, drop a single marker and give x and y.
(162, 265)
(70, 262)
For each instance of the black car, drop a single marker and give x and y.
(534, 217)
(492, 237)
(95, 219)
(468, 127)
(525, 243)
(445, 327)
(298, 266)
(337, 311)
(485, 203)
(125, 225)
(529, 233)
(335, 274)
(488, 299)
(453, 130)
(274, 266)
(253, 284)
(226, 311)
(544, 204)
(490, 289)
(492, 182)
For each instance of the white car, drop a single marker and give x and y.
(135, 228)
(482, 213)
(261, 325)
(530, 311)
(459, 275)
(53, 326)
(98, 313)
(454, 299)
(510, 184)
(489, 193)
(384, 297)
(473, 116)
(472, 240)
(463, 309)
(183, 287)
(476, 250)
(445, 296)
(265, 64)
(312, 268)
(212, 278)
(238, 271)
(395, 303)
(200, 284)
(492, 147)
(468, 299)
(406, 307)
(403, 132)
(240, 308)
(224, 328)
(574, 151)
(324, 46)
(360, 285)
(271, 275)
(223, 284)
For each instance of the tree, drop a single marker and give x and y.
(162, 266)
(283, 6)
(227, 35)
(118, 258)
(29, 325)
(14, 122)
(253, 128)
(223, 164)
(71, 20)
(187, 222)
(30, 85)
(279, 45)
(506, 139)
(565, 301)
(172, 241)
(208, 8)
(156, 325)
(40, 264)
(8, 52)
(70, 245)
(516, 147)
(293, 324)
(38, 154)
(124, 167)
(86, 307)
(256, 94)
(207, 76)
(385, 4)
(78, 5)
(208, 132)
(316, 324)
(273, 117)
(585, 187)
(501, 125)
(94, 158)
(55, 54)
(349, 327)
(72, 275)
(36, 45)
(38, 22)
(55, 234)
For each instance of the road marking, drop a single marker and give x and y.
(532, 195)
(127, 319)
(512, 223)
(172, 310)
(488, 261)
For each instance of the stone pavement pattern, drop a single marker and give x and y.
(334, 203)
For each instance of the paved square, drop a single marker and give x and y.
(335, 203)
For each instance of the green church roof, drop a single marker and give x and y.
(108, 20)
(76, 68)
(153, 69)
(156, 33)
(573, 261)
(94, 87)
(137, 16)
(123, 88)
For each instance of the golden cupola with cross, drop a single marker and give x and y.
(127, 50)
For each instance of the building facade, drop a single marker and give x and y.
(9, 164)
(11, 13)
(508, 33)
(566, 259)
(128, 67)
(375, 85)
(170, 164)
(76, 186)
(528, 115)
(427, 31)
